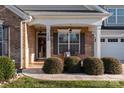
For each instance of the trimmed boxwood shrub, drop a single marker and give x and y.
(7, 68)
(93, 66)
(53, 65)
(112, 65)
(72, 64)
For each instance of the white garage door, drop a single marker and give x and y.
(112, 47)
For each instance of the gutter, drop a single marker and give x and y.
(21, 39)
(104, 12)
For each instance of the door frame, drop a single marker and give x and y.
(37, 46)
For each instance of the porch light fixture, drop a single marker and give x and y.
(70, 30)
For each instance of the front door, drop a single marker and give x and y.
(41, 45)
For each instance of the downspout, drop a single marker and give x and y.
(21, 39)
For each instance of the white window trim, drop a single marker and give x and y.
(67, 31)
(106, 23)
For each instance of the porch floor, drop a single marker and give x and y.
(39, 74)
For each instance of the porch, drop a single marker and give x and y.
(40, 44)
(49, 36)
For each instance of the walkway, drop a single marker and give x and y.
(38, 74)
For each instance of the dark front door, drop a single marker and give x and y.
(41, 45)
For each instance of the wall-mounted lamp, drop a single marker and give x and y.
(70, 30)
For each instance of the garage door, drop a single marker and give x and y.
(112, 47)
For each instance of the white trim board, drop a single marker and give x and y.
(17, 11)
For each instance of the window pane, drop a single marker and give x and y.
(5, 34)
(120, 19)
(74, 37)
(0, 36)
(103, 40)
(5, 52)
(113, 40)
(0, 49)
(120, 11)
(74, 49)
(112, 20)
(63, 38)
(122, 39)
(113, 11)
(63, 48)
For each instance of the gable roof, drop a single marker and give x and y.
(18, 11)
(22, 10)
(62, 8)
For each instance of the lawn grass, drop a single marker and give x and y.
(27, 82)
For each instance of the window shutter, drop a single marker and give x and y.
(82, 43)
(55, 43)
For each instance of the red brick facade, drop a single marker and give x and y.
(87, 48)
(87, 41)
(13, 22)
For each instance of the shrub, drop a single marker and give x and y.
(112, 65)
(93, 66)
(7, 68)
(53, 65)
(72, 64)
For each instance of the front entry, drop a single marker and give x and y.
(41, 45)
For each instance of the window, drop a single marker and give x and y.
(63, 42)
(122, 39)
(69, 42)
(112, 19)
(5, 40)
(103, 40)
(74, 43)
(120, 16)
(117, 16)
(113, 40)
(1, 39)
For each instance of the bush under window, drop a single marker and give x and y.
(93, 66)
(72, 64)
(53, 65)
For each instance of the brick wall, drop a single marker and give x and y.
(88, 39)
(13, 21)
(88, 43)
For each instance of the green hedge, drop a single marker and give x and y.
(7, 68)
(112, 65)
(72, 64)
(93, 66)
(53, 65)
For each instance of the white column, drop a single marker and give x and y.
(48, 42)
(26, 47)
(97, 42)
(21, 45)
